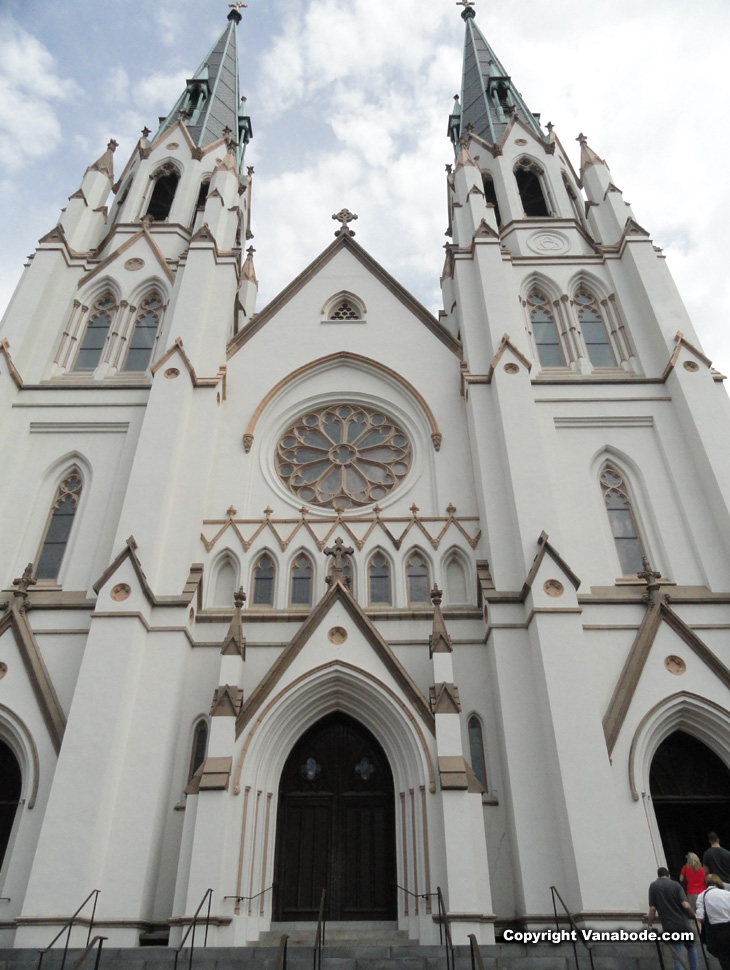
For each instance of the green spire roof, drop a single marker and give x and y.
(488, 97)
(211, 102)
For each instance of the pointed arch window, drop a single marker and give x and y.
(144, 334)
(622, 520)
(379, 587)
(344, 308)
(264, 575)
(594, 330)
(10, 792)
(163, 193)
(300, 581)
(529, 177)
(199, 747)
(96, 333)
(490, 195)
(476, 751)
(225, 583)
(545, 330)
(417, 579)
(202, 194)
(574, 201)
(58, 528)
(456, 584)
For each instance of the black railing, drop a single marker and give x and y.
(193, 923)
(659, 954)
(319, 938)
(476, 953)
(67, 927)
(445, 933)
(97, 942)
(281, 953)
(426, 896)
(574, 927)
(701, 942)
(249, 899)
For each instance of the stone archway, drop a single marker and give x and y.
(10, 793)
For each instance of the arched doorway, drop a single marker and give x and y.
(10, 788)
(336, 826)
(690, 790)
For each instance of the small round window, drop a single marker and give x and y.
(343, 456)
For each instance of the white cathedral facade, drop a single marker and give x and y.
(336, 594)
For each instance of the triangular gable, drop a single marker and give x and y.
(178, 350)
(336, 594)
(143, 233)
(506, 343)
(545, 548)
(193, 584)
(389, 282)
(12, 370)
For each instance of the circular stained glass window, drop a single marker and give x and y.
(343, 456)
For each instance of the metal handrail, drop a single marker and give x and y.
(476, 954)
(445, 938)
(659, 954)
(240, 899)
(68, 927)
(319, 938)
(577, 936)
(281, 953)
(87, 951)
(193, 923)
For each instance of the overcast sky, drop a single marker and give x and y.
(349, 101)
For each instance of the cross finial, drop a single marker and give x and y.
(112, 146)
(344, 216)
(250, 251)
(146, 132)
(235, 13)
(582, 139)
(340, 555)
(549, 127)
(22, 584)
(239, 598)
(648, 574)
(468, 11)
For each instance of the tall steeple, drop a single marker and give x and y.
(211, 102)
(488, 96)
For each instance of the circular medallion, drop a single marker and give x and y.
(520, 141)
(343, 456)
(134, 263)
(337, 635)
(171, 145)
(549, 242)
(675, 665)
(691, 365)
(120, 592)
(511, 368)
(553, 587)
(171, 373)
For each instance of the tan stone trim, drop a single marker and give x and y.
(28, 738)
(40, 681)
(185, 920)
(391, 284)
(344, 356)
(444, 699)
(681, 342)
(336, 594)
(215, 774)
(363, 673)
(177, 348)
(239, 877)
(545, 547)
(551, 609)
(193, 582)
(506, 343)
(227, 701)
(12, 370)
(143, 233)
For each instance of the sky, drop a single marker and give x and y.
(349, 101)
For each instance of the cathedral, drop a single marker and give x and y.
(337, 596)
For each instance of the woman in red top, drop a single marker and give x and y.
(692, 878)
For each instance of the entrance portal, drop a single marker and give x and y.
(336, 826)
(690, 789)
(10, 788)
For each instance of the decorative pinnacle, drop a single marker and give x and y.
(146, 132)
(582, 139)
(112, 146)
(340, 555)
(239, 598)
(468, 12)
(436, 595)
(235, 13)
(344, 216)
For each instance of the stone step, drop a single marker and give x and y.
(339, 933)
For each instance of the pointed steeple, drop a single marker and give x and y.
(211, 106)
(489, 99)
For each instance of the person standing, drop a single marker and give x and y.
(716, 859)
(692, 878)
(668, 899)
(713, 906)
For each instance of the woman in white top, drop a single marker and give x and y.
(713, 906)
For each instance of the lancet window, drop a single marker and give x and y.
(622, 520)
(379, 587)
(545, 330)
(417, 579)
(96, 333)
(456, 585)
(490, 196)
(594, 330)
(144, 334)
(163, 192)
(202, 194)
(264, 575)
(225, 583)
(199, 748)
(58, 528)
(476, 750)
(530, 185)
(300, 579)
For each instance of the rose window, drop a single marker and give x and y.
(343, 456)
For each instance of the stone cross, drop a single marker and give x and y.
(344, 216)
(22, 584)
(466, 4)
(340, 554)
(648, 574)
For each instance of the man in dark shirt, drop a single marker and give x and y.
(669, 900)
(716, 859)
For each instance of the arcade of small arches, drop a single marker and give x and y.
(534, 192)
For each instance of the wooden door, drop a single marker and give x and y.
(336, 826)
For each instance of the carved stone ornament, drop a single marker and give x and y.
(691, 365)
(549, 242)
(172, 145)
(675, 665)
(520, 141)
(553, 587)
(134, 263)
(344, 216)
(247, 442)
(511, 368)
(337, 635)
(171, 373)
(120, 592)
(436, 438)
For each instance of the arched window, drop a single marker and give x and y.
(225, 583)
(476, 751)
(300, 590)
(379, 580)
(59, 526)
(144, 334)
(163, 192)
(345, 309)
(97, 329)
(456, 585)
(202, 194)
(574, 200)
(199, 748)
(417, 579)
(594, 330)
(264, 574)
(544, 330)
(622, 521)
(529, 183)
(490, 196)
(10, 791)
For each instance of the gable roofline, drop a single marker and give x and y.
(397, 289)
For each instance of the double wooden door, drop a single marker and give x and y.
(336, 826)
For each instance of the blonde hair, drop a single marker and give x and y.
(693, 861)
(713, 880)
